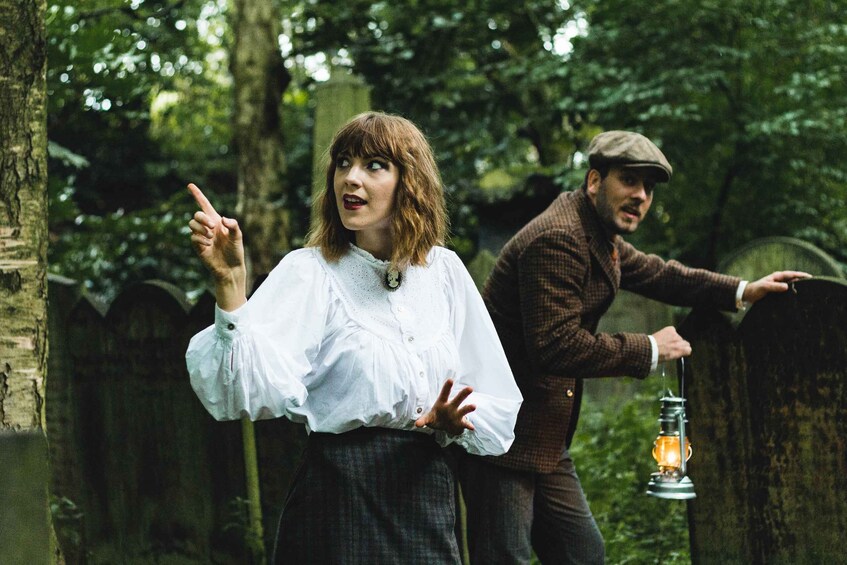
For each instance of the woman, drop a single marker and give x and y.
(361, 336)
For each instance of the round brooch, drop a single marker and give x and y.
(393, 278)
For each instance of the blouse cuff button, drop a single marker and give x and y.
(230, 326)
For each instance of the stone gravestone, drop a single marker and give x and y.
(768, 254)
(336, 102)
(768, 422)
(763, 256)
(24, 534)
(480, 267)
(139, 470)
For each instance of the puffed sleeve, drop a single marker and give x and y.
(252, 360)
(483, 366)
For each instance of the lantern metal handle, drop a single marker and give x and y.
(680, 367)
(682, 459)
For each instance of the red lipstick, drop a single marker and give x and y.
(353, 202)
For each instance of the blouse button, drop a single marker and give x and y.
(569, 393)
(419, 410)
(230, 326)
(421, 374)
(410, 339)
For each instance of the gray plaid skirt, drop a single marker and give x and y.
(370, 496)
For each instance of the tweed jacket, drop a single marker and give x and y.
(551, 284)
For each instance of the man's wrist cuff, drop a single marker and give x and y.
(740, 305)
(654, 353)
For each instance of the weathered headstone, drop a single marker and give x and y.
(24, 534)
(480, 267)
(138, 466)
(148, 429)
(60, 422)
(336, 101)
(763, 256)
(768, 421)
(766, 255)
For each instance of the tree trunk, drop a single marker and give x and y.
(260, 79)
(23, 280)
(716, 229)
(23, 213)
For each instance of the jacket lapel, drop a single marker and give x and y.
(598, 241)
(602, 252)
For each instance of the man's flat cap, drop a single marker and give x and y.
(628, 149)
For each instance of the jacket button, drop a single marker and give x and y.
(569, 393)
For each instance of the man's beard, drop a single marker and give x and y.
(608, 216)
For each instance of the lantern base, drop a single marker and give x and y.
(662, 486)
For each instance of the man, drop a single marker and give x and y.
(551, 284)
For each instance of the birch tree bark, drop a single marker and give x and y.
(23, 214)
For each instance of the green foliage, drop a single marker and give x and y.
(745, 101)
(138, 106)
(238, 517)
(108, 252)
(298, 122)
(107, 62)
(141, 104)
(482, 80)
(612, 452)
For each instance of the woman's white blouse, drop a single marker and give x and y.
(326, 344)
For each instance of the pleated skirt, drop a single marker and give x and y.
(370, 496)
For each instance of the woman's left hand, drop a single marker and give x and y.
(449, 415)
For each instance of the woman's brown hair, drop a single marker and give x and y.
(419, 216)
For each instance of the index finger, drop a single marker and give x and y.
(791, 275)
(202, 201)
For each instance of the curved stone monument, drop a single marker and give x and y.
(768, 254)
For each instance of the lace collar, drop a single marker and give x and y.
(417, 308)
